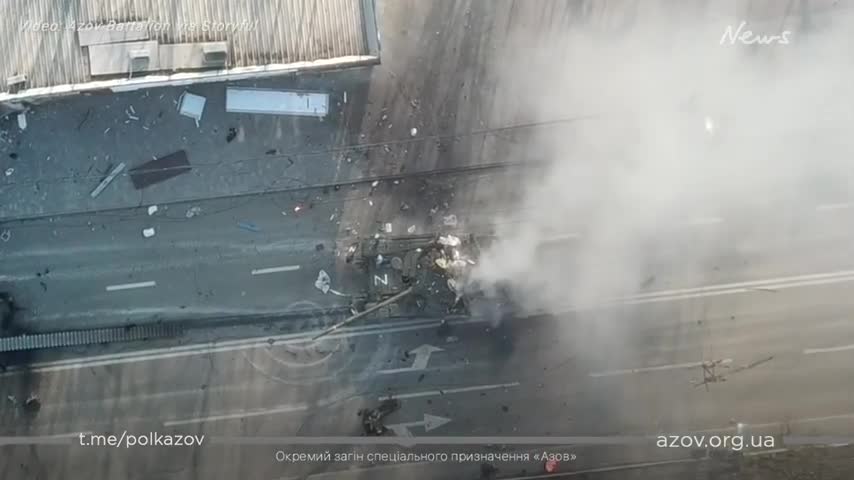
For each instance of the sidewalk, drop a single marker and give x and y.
(70, 145)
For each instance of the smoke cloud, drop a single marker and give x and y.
(684, 128)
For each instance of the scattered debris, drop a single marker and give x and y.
(380, 259)
(323, 282)
(452, 339)
(372, 418)
(148, 232)
(374, 185)
(271, 151)
(12, 399)
(22, 120)
(13, 156)
(10, 171)
(319, 247)
(388, 228)
(152, 210)
(411, 229)
(449, 220)
(370, 202)
(297, 208)
(106, 181)
(413, 131)
(193, 211)
(345, 96)
(248, 226)
(33, 404)
(85, 118)
(232, 134)
(404, 206)
(450, 241)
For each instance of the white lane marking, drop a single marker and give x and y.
(705, 221)
(433, 393)
(286, 268)
(128, 286)
(794, 280)
(793, 421)
(675, 366)
(226, 346)
(766, 452)
(813, 351)
(236, 415)
(561, 238)
(67, 435)
(832, 206)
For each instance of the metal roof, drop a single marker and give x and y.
(41, 40)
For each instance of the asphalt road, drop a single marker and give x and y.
(626, 369)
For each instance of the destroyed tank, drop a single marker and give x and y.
(435, 267)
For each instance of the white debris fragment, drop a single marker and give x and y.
(388, 228)
(192, 212)
(371, 203)
(10, 171)
(376, 182)
(710, 125)
(450, 220)
(148, 232)
(152, 209)
(411, 229)
(323, 282)
(193, 106)
(345, 97)
(450, 241)
(6, 235)
(380, 259)
(413, 131)
(452, 339)
(331, 217)
(442, 263)
(106, 181)
(22, 120)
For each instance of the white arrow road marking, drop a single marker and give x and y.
(430, 422)
(422, 356)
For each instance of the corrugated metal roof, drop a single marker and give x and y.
(39, 37)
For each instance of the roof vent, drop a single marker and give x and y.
(16, 83)
(215, 53)
(139, 60)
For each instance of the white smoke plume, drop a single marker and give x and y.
(647, 163)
